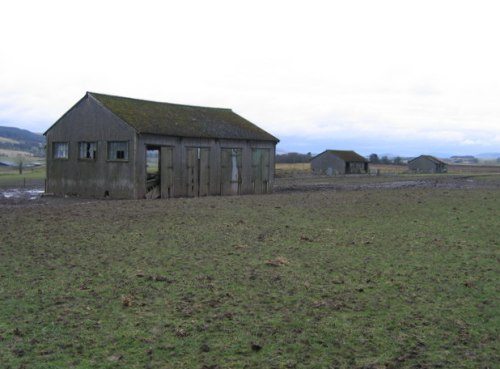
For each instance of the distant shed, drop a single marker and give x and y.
(331, 162)
(427, 164)
(103, 145)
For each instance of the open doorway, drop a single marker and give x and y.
(153, 176)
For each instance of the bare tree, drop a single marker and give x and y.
(20, 163)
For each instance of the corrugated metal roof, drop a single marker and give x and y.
(346, 155)
(182, 120)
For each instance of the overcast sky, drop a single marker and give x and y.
(401, 77)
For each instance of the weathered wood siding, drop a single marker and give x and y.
(426, 165)
(207, 167)
(261, 169)
(188, 166)
(167, 172)
(230, 174)
(328, 164)
(91, 177)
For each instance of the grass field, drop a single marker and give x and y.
(283, 170)
(402, 278)
(31, 177)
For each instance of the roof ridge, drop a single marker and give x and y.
(429, 157)
(96, 94)
(349, 155)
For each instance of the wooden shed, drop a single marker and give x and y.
(118, 147)
(331, 162)
(427, 164)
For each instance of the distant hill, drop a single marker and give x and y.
(488, 155)
(12, 138)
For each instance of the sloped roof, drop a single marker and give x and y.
(346, 155)
(430, 158)
(181, 120)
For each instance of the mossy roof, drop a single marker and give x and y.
(346, 155)
(150, 117)
(430, 158)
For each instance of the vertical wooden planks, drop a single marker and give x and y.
(204, 171)
(260, 170)
(166, 172)
(198, 171)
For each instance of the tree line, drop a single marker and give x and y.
(375, 159)
(293, 157)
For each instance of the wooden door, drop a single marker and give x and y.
(230, 171)
(260, 170)
(198, 171)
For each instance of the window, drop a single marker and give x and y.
(118, 150)
(60, 150)
(87, 150)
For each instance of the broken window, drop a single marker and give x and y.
(118, 150)
(60, 150)
(87, 150)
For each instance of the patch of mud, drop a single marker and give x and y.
(33, 196)
(21, 193)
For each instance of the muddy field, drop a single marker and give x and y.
(359, 183)
(346, 272)
(298, 182)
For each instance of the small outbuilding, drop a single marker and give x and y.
(331, 162)
(427, 164)
(119, 147)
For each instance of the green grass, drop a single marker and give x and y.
(10, 177)
(403, 278)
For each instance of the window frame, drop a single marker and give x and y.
(85, 158)
(55, 151)
(115, 157)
